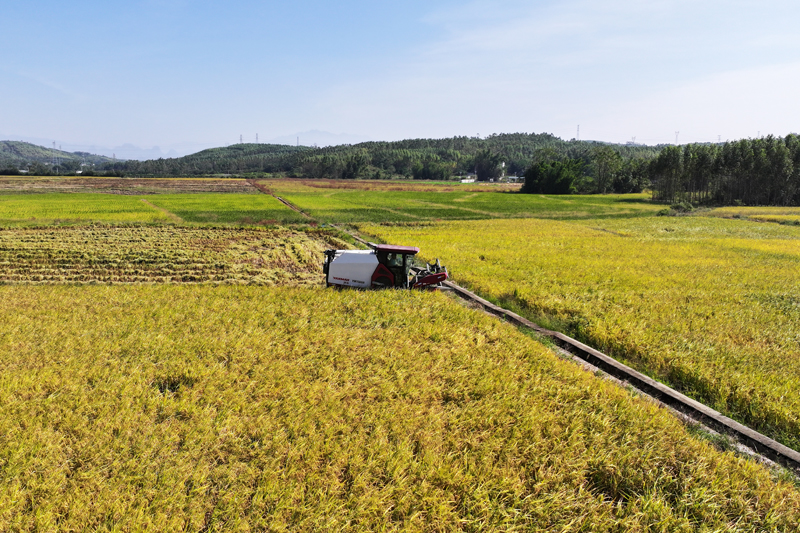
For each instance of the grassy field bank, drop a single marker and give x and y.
(710, 306)
(248, 408)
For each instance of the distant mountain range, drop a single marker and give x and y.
(128, 151)
(22, 155)
(418, 158)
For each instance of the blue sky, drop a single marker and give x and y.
(191, 73)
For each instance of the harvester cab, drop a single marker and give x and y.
(384, 266)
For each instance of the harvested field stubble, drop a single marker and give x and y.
(167, 254)
(135, 186)
(710, 306)
(240, 408)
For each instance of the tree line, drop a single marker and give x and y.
(428, 159)
(764, 171)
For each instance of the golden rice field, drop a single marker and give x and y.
(781, 215)
(228, 408)
(162, 254)
(710, 306)
(71, 208)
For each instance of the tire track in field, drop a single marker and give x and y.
(478, 211)
(170, 214)
(266, 190)
(382, 208)
(467, 197)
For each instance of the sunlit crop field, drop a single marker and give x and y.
(333, 203)
(64, 208)
(711, 306)
(218, 208)
(165, 254)
(157, 407)
(781, 215)
(198, 207)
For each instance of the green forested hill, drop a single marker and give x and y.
(18, 155)
(234, 159)
(418, 158)
(431, 159)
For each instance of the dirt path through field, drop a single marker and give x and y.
(170, 214)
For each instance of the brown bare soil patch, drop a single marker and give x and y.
(125, 185)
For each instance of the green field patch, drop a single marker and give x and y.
(353, 204)
(684, 299)
(244, 408)
(216, 208)
(66, 208)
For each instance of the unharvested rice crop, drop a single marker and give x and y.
(70, 208)
(710, 306)
(362, 202)
(204, 408)
(161, 254)
(216, 208)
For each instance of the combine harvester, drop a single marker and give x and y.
(384, 266)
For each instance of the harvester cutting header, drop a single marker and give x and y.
(384, 266)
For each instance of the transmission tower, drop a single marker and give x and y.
(676, 137)
(256, 138)
(578, 137)
(240, 139)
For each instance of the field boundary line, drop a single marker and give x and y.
(287, 203)
(170, 214)
(761, 444)
(290, 205)
(467, 209)
(388, 209)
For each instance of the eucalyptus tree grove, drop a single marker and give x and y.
(764, 171)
